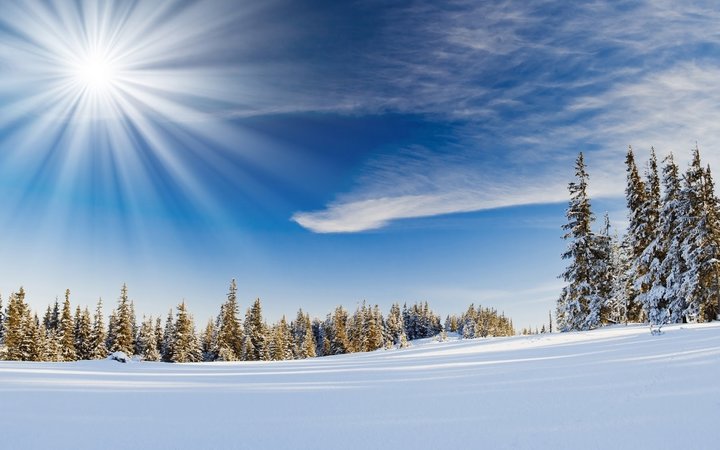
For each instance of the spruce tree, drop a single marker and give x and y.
(573, 306)
(395, 327)
(209, 347)
(147, 346)
(123, 334)
(256, 336)
(98, 347)
(185, 343)
(83, 334)
(338, 342)
(602, 277)
(641, 232)
(168, 338)
(229, 335)
(701, 249)
(663, 256)
(66, 331)
(13, 326)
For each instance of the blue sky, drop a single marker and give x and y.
(324, 153)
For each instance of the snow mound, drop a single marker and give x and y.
(119, 357)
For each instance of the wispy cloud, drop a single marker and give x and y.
(528, 85)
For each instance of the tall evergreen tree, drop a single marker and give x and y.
(122, 331)
(229, 334)
(17, 311)
(256, 336)
(580, 292)
(168, 338)
(701, 246)
(66, 331)
(208, 344)
(663, 256)
(601, 274)
(641, 232)
(185, 343)
(98, 347)
(83, 334)
(147, 346)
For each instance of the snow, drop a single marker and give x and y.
(119, 357)
(618, 387)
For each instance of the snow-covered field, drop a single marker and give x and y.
(612, 388)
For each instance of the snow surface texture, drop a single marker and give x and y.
(614, 388)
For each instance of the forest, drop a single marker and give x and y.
(666, 268)
(64, 335)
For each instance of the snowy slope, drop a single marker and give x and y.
(610, 388)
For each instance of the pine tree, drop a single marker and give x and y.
(701, 246)
(66, 334)
(602, 277)
(15, 327)
(641, 232)
(308, 343)
(281, 345)
(395, 327)
(168, 338)
(147, 346)
(83, 334)
(339, 339)
(580, 292)
(98, 347)
(229, 335)
(208, 344)
(122, 331)
(663, 256)
(185, 344)
(255, 343)
(620, 266)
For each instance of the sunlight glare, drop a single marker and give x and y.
(96, 72)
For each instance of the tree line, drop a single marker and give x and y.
(61, 335)
(666, 268)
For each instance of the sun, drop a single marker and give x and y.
(95, 72)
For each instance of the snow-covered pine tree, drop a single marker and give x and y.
(700, 249)
(55, 316)
(602, 277)
(98, 347)
(281, 346)
(168, 338)
(395, 327)
(309, 345)
(642, 215)
(147, 341)
(663, 256)
(230, 333)
(66, 334)
(185, 343)
(338, 335)
(620, 265)
(303, 337)
(710, 275)
(83, 332)
(256, 335)
(159, 335)
(581, 290)
(123, 334)
(208, 344)
(375, 329)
